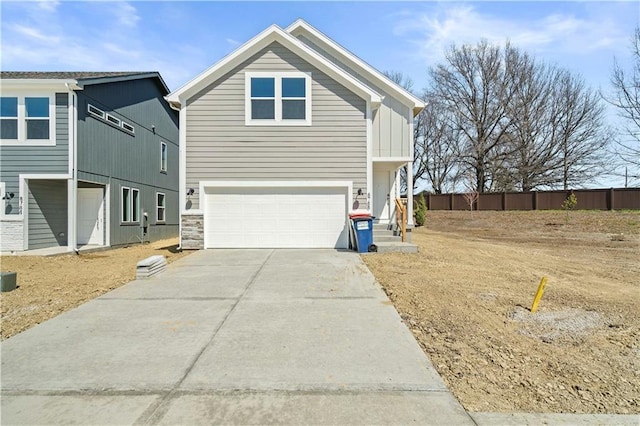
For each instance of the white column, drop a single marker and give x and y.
(410, 193)
(72, 183)
(370, 194)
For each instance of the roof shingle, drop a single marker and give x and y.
(75, 75)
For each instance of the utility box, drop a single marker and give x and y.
(8, 281)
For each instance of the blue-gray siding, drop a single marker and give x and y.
(47, 213)
(110, 156)
(130, 233)
(16, 160)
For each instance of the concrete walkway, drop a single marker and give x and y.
(229, 336)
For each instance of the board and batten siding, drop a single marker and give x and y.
(128, 233)
(221, 147)
(47, 213)
(110, 156)
(392, 134)
(25, 159)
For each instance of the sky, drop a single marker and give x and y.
(181, 39)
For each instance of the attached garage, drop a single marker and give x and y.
(281, 214)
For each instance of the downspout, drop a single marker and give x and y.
(412, 151)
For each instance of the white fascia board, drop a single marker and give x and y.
(268, 36)
(391, 159)
(38, 84)
(406, 97)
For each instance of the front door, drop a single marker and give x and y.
(90, 216)
(381, 190)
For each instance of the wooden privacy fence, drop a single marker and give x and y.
(588, 199)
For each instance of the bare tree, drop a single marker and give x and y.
(579, 130)
(401, 79)
(534, 154)
(436, 144)
(476, 83)
(470, 194)
(626, 99)
(523, 124)
(557, 129)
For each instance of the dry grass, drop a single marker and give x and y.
(49, 286)
(466, 298)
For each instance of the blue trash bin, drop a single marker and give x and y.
(363, 227)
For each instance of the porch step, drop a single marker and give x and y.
(386, 238)
(396, 247)
(381, 226)
(383, 232)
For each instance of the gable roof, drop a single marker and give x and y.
(301, 27)
(83, 78)
(259, 42)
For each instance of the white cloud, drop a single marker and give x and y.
(35, 34)
(232, 42)
(433, 33)
(48, 5)
(126, 15)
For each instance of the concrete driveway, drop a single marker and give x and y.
(229, 336)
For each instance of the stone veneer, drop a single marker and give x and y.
(192, 232)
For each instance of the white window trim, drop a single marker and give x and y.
(22, 119)
(128, 127)
(131, 205)
(113, 120)
(163, 167)
(278, 121)
(122, 219)
(93, 110)
(163, 207)
(107, 118)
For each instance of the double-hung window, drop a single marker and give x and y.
(9, 118)
(160, 207)
(26, 120)
(130, 205)
(278, 99)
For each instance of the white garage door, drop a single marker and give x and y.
(276, 217)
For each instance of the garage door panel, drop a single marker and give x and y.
(290, 217)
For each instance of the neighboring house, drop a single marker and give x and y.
(283, 138)
(86, 158)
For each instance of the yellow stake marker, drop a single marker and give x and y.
(536, 300)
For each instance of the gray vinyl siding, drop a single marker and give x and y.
(110, 156)
(121, 233)
(221, 147)
(47, 213)
(16, 160)
(392, 134)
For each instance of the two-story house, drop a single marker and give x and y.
(284, 137)
(86, 158)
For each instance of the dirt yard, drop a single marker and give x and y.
(466, 297)
(49, 286)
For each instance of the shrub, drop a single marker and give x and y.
(569, 204)
(420, 210)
